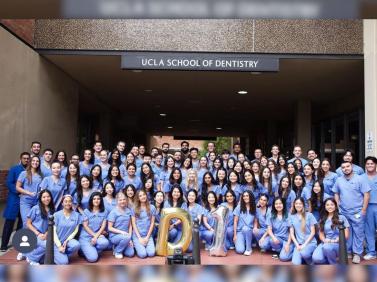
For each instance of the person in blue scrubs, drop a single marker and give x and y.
(130, 159)
(92, 240)
(262, 213)
(108, 195)
(221, 178)
(328, 177)
(286, 192)
(317, 199)
(96, 177)
(61, 157)
(267, 185)
(87, 162)
(202, 169)
(302, 231)
(277, 228)
(37, 222)
(175, 178)
(301, 190)
(146, 172)
(230, 164)
(130, 192)
(349, 156)
(120, 228)
(194, 209)
(208, 185)
(12, 209)
(230, 203)
(194, 157)
(148, 186)
(185, 168)
(46, 162)
(238, 167)
(175, 200)
(83, 193)
(256, 169)
(207, 231)
(97, 148)
(233, 184)
(291, 172)
(158, 202)
(72, 178)
(371, 217)
(104, 164)
(245, 221)
(55, 184)
(191, 182)
(114, 177)
(157, 166)
(217, 164)
(131, 177)
(308, 173)
(282, 167)
(275, 174)
(299, 166)
(28, 185)
(328, 251)
(143, 218)
(67, 222)
(352, 193)
(169, 165)
(297, 152)
(114, 158)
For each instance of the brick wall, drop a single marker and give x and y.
(157, 141)
(3, 188)
(22, 28)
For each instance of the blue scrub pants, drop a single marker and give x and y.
(63, 258)
(122, 245)
(244, 238)
(37, 254)
(144, 251)
(326, 253)
(268, 244)
(357, 233)
(229, 237)
(24, 211)
(207, 236)
(259, 233)
(298, 256)
(370, 229)
(91, 252)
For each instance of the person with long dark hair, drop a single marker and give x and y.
(230, 203)
(158, 202)
(233, 184)
(316, 200)
(87, 162)
(72, 178)
(208, 185)
(174, 178)
(131, 177)
(244, 222)
(207, 231)
(61, 157)
(300, 189)
(96, 177)
(175, 200)
(37, 222)
(328, 250)
(108, 195)
(262, 213)
(83, 193)
(286, 192)
(146, 172)
(92, 240)
(327, 177)
(114, 158)
(114, 177)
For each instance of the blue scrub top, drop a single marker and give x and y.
(306, 194)
(84, 201)
(351, 193)
(257, 191)
(57, 188)
(95, 221)
(210, 220)
(118, 184)
(63, 172)
(143, 221)
(121, 219)
(46, 170)
(109, 206)
(280, 227)
(105, 170)
(135, 181)
(295, 222)
(356, 170)
(72, 187)
(244, 219)
(373, 186)
(34, 186)
(238, 190)
(262, 218)
(85, 169)
(334, 233)
(303, 161)
(290, 199)
(96, 185)
(230, 217)
(157, 169)
(328, 182)
(36, 217)
(66, 225)
(195, 211)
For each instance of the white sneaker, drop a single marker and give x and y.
(356, 259)
(369, 257)
(20, 256)
(247, 253)
(231, 248)
(118, 256)
(33, 263)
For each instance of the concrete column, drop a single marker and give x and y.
(303, 124)
(370, 82)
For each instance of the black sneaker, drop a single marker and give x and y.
(3, 250)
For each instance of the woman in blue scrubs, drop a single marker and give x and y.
(82, 196)
(282, 164)
(217, 164)
(109, 195)
(208, 185)
(130, 192)
(269, 187)
(286, 192)
(233, 184)
(72, 178)
(317, 167)
(301, 190)
(130, 159)
(158, 202)
(202, 169)
(275, 174)
(104, 164)
(167, 170)
(328, 177)
(131, 177)
(230, 164)
(114, 177)
(291, 172)
(114, 158)
(244, 222)
(316, 200)
(207, 230)
(146, 172)
(87, 162)
(230, 203)
(61, 157)
(194, 209)
(262, 213)
(191, 182)
(175, 200)
(328, 251)
(277, 228)
(221, 178)
(299, 166)
(238, 167)
(256, 169)
(92, 240)
(175, 178)
(37, 222)
(185, 167)
(308, 173)
(55, 184)
(67, 223)
(148, 186)
(120, 228)
(302, 231)
(143, 218)
(250, 184)
(96, 177)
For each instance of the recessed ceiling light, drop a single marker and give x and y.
(256, 72)
(137, 71)
(163, 115)
(219, 128)
(194, 120)
(170, 127)
(148, 90)
(242, 92)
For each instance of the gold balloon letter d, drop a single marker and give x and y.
(163, 247)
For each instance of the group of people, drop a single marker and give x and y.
(112, 200)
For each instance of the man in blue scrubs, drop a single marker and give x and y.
(297, 152)
(371, 219)
(12, 210)
(349, 156)
(35, 148)
(352, 194)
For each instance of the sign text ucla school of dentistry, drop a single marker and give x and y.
(198, 61)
